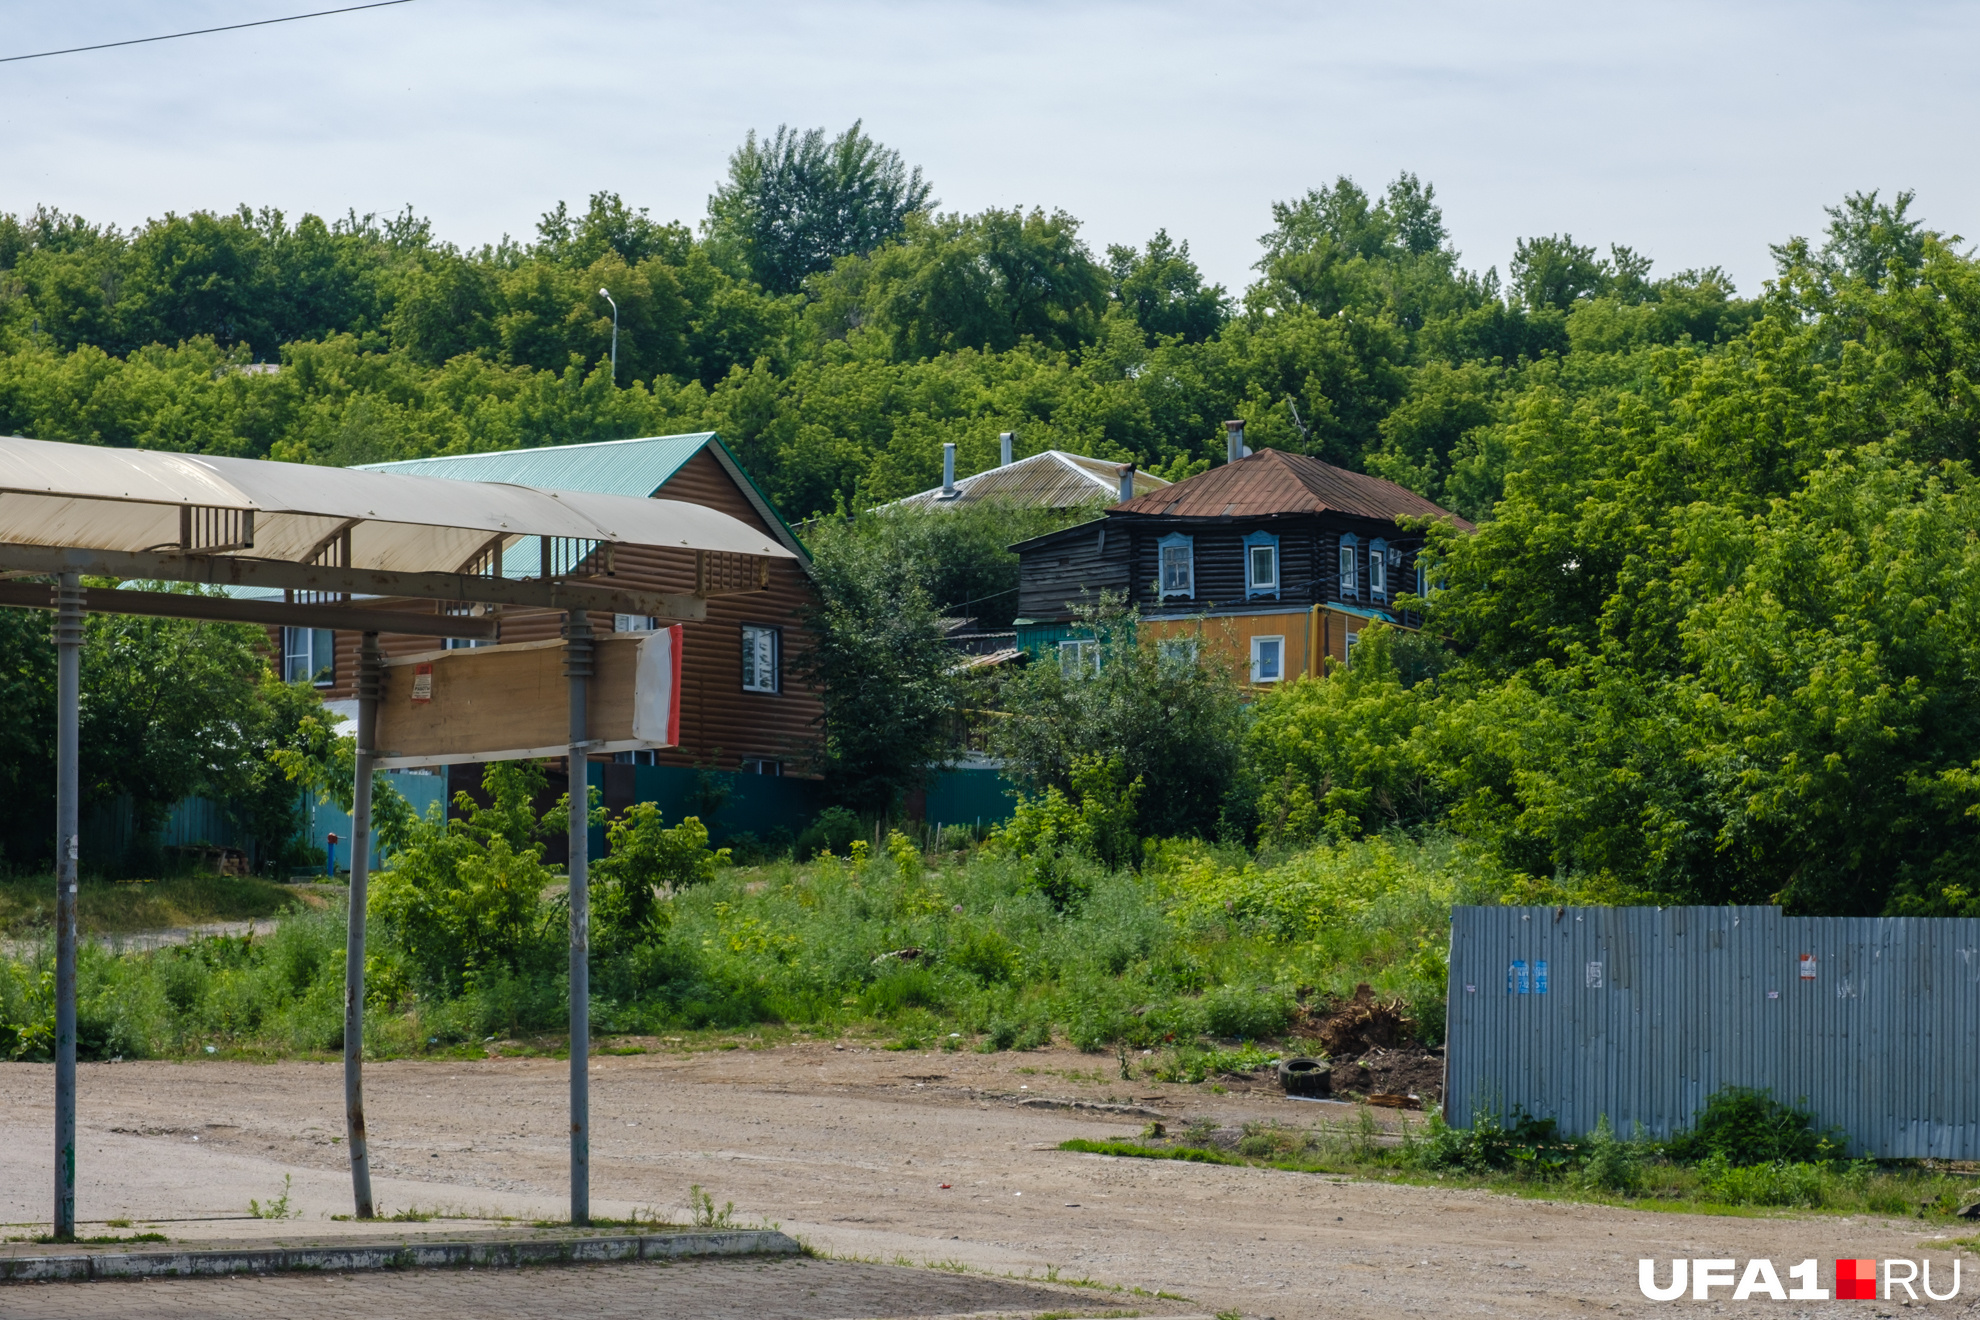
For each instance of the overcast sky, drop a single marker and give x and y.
(1698, 133)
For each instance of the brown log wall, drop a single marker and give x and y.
(721, 724)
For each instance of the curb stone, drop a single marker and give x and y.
(81, 1266)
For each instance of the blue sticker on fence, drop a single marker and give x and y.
(1540, 977)
(1516, 977)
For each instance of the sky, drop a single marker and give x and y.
(1696, 133)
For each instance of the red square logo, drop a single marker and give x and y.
(1856, 1280)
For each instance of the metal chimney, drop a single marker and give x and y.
(1004, 439)
(949, 470)
(1233, 441)
(1127, 482)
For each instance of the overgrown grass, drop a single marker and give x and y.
(1525, 1159)
(107, 907)
(960, 950)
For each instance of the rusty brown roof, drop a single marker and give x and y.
(1271, 482)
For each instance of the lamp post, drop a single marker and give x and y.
(615, 334)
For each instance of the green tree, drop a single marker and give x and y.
(883, 675)
(1169, 719)
(795, 203)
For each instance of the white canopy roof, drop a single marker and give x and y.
(90, 497)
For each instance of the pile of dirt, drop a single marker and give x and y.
(1407, 1070)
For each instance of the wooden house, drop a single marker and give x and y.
(1274, 561)
(744, 706)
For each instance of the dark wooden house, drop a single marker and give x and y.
(1275, 560)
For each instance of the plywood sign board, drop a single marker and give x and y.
(507, 703)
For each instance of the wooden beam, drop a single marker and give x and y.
(280, 574)
(268, 613)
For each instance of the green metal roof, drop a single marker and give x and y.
(639, 467)
(611, 467)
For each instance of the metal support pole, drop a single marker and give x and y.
(370, 678)
(68, 701)
(577, 667)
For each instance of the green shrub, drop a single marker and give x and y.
(645, 858)
(466, 895)
(1611, 1163)
(1744, 1126)
(833, 831)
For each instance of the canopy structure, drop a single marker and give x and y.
(188, 517)
(324, 536)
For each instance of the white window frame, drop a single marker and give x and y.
(1187, 561)
(758, 638)
(1257, 659)
(313, 652)
(1254, 543)
(1179, 650)
(1076, 653)
(1350, 561)
(633, 623)
(1378, 569)
(760, 765)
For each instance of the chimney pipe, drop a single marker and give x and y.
(1004, 439)
(1127, 482)
(949, 470)
(1233, 441)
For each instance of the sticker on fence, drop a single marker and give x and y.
(1807, 966)
(1593, 977)
(1516, 980)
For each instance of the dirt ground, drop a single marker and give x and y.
(927, 1158)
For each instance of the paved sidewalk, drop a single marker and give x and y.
(754, 1289)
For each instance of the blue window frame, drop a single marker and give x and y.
(1261, 565)
(1177, 576)
(1378, 569)
(1350, 567)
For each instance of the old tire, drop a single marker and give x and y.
(1304, 1076)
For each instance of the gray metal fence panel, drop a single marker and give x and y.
(1640, 1014)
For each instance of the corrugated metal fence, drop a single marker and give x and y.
(1642, 1013)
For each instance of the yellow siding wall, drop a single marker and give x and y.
(1321, 632)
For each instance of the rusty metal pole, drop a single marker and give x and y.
(68, 702)
(369, 679)
(577, 667)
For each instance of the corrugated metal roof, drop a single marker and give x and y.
(638, 467)
(1271, 482)
(1051, 480)
(610, 467)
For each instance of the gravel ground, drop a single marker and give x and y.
(915, 1158)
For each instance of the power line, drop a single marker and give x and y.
(200, 32)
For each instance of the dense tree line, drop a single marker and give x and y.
(825, 318)
(1712, 640)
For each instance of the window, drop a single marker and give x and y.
(757, 765)
(1350, 573)
(1079, 656)
(1268, 659)
(632, 623)
(1261, 564)
(1378, 569)
(467, 643)
(641, 757)
(1422, 582)
(1178, 577)
(1177, 650)
(309, 655)
(759, 659)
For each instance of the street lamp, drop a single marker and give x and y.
(615, 335)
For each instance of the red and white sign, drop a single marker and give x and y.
(422, 688)
(1807, 966)
(657, 688)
